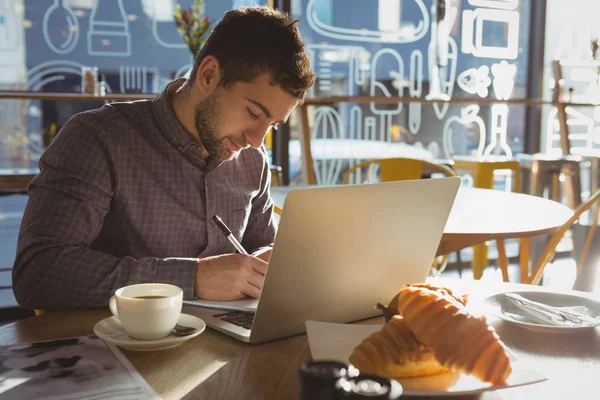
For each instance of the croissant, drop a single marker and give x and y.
(394, 352)
(460, 341)
(392, 308)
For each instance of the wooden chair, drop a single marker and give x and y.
(399, 169)
(402, 169)
(276, 175)
(550, 249)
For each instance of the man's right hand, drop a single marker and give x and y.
(230, 277)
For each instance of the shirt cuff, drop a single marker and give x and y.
(180, 272)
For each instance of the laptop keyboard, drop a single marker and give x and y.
(237, 318)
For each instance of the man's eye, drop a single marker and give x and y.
(252, 115)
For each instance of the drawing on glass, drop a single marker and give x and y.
(109, 30)
(442, 55)
(499, 4)
(348, 61)
(164, 30)
(441, 79)
(9, 27)
(328, 127)
(138, 79)
(499, 131)
(415, 90)
(378, 87)
(504, 79)
(581, 130)
(51, 71)
(60, 27)
(464, 134)
(391, 29)
(473, 23)
(12, 52)
(475, 80)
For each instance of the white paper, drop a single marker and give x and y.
(74, 368)
(248, 305)
(547, 318)
(330, 341)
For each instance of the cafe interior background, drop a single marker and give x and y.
(493, 62)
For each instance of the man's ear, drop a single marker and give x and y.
(208, 75)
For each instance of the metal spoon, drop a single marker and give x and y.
(181, 330)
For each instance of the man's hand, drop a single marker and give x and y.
(230, 277)
(264, 254)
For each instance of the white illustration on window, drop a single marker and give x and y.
(60, 27)
(498, 135)
(442, 56)
(378, 88)
(472, 33)
(347, 61)
(109, 30)
(459, 137)
(415, 90)
(407, 32)
(475, 81)
(504, 79)
(499, 4)
(581, 130)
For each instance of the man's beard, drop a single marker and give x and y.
(207, 122)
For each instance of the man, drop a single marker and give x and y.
(126, 193)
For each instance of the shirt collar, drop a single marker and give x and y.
(167, 120)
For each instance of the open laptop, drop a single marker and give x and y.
(338, 252)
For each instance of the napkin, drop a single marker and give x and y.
(549, 318)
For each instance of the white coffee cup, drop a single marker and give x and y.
(147, 311)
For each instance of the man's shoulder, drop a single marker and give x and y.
(254, 156)
(112, 119)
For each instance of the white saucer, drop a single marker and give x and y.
(111, 330)
(500, 306)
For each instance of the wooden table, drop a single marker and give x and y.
(479, 215)
(214, 366)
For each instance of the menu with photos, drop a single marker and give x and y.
(73, 368)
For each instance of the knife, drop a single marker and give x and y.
(566, 315)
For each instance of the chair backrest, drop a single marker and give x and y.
(550, 250)
(276, 175)
(399, 169)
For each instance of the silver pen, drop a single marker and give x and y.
(227, 232)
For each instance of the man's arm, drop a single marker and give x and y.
(262, 226)
(68, 200)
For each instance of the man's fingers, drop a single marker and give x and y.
(251, 290)
(256, 279)
(259, 266)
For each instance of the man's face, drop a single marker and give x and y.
(230, 120)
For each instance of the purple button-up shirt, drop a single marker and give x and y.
(124, 197)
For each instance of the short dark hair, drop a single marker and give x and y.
(249, 41)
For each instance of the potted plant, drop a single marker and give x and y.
(192, 25)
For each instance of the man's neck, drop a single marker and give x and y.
(185, 112)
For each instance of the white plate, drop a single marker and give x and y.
(500, 306)
(111, 330)
(331, 341)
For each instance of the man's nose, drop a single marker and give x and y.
(256, 137)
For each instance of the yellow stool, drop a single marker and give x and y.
(544, 173)
(482, 169)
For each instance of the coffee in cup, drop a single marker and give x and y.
(147, 311)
